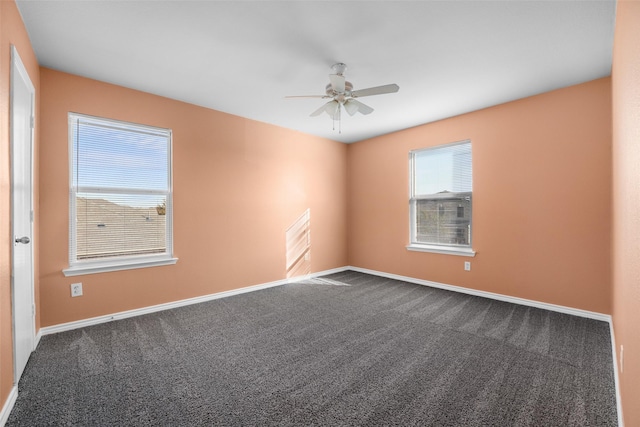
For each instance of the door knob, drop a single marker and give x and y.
(23, 240)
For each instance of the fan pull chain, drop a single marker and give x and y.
(337, 113)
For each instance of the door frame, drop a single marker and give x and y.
(17, 66)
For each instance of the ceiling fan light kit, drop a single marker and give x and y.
(343, 96)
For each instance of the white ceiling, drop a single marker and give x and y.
(243, 57)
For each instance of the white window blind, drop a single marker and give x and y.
(120, 191)
(441, 196)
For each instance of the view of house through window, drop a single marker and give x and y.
(120, 195)
(441, 196)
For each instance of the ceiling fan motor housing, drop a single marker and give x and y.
(348, 87)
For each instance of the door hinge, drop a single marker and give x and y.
(31, 216)
(33, 310)
(33, 122)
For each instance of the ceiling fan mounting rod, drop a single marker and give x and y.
(339, 68)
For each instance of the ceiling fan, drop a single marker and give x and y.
(343, 96)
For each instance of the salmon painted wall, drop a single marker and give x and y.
(541, 199)
(238, 185)
(12, 32)
(626, 203)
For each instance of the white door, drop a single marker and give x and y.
(22, 113)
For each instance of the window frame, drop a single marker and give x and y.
(414, 245)
(124, 262)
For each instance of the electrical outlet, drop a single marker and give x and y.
(621, 358)
(467, 266)
(76, 289)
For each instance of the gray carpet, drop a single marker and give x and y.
(349, 349)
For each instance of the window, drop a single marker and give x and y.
(441, 199)
(120, 200)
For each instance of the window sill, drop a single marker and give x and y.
(442, 250)
(104, 267)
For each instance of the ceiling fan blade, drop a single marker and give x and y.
(306, 96)
(352, 106)
(337, 82)
(378, 90)
(320, 110)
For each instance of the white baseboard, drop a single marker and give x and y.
(318, 274)
(175, 304)
(616, 377)
(181, 303)
(36, 341)
(515, 300)
(8, 405)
